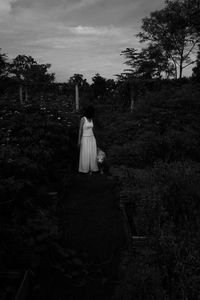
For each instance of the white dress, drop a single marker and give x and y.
(88, 149)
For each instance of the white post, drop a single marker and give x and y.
(132, 98)
(21, 94)
(77, 96)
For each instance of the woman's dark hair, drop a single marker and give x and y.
(89, 112)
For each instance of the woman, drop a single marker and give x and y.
(87, 143)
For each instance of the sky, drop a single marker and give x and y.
(74, 36)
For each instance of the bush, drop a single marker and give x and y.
(166, 205)
(37, 151)
(160, 181)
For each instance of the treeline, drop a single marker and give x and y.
(24, 78)
(171, 39)
(155, 154)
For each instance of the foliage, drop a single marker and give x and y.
(77, 79)
(83, 87)
(26, 68)
(3, 64)
(170, 28)
(139, 276)
(172, 38)
(196, 70)
(37, 153)
(101, 88)
(193, 13)
(148, 63)
(155, 150)
(164, 126)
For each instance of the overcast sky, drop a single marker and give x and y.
(74, 36)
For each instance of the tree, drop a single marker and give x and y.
(5, 81)
(99, 87)
(172, 31)
(26, 69)
(148, 63)
(193, 12)
(28, 72)
(196, 70)
(78, 79)
(77, 83)
(38, 74)
(3, 64)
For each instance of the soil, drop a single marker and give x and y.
(93, 228)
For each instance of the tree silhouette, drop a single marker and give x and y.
(3, 64)
(173, 32)
(26, 71)
(147, 63)
(196, 70)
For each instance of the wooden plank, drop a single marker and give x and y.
(23, 289)
(139, 238)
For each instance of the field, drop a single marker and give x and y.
(154, 163)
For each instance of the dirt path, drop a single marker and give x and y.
(93, 223)
(94, 230)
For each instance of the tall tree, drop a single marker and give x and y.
(38, 73)
(193, 12)
(172, 31)
(147, 63)
(196, 69)
(77, 87)
(3, 64)
(78, 79)
(99, 87)
(28, 72)
(26, 69)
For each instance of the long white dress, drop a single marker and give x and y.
(88, 149)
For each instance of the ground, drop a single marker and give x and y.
(93, 228)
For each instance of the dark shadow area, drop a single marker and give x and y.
(93, 231)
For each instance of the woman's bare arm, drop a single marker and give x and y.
(80, 131)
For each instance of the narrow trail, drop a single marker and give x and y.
(93, 227)
(93, 223)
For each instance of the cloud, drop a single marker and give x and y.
(6, 7)
(84, 37)
(73, 35)
(104, 31)
(115, 12)
(80, 49)
(47, 6)
(84, 12)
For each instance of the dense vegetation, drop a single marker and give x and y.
(148, 123)
(37, 150)
(156, 151)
